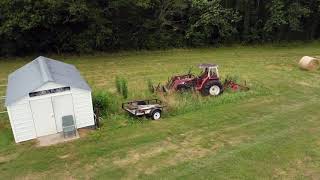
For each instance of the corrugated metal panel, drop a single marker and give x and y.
(66, 74)
(23, 81)
(22, 122)
(83, 109)
(38, 72)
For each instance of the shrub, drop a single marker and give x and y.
(100, 103)
(105, 103)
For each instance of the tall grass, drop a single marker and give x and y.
(234, 78)
(150, 86)
(191, 101)
(118, 84)
(179, 103)
(122, 86)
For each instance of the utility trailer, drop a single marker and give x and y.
(150, 108)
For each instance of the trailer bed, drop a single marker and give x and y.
(143, 107)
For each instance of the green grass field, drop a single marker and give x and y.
(270, 132)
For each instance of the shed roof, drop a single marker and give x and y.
(38, 72)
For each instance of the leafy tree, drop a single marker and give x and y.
(82, 26)
(284, 17)
(211, 23)
(47, 25)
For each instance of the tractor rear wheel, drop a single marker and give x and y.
(212, 88)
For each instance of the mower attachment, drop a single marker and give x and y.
(233, 86)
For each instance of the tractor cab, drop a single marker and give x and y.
(208, 83)
(209, 70)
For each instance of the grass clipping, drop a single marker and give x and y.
(309, 63)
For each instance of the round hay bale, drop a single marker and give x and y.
(309, 63)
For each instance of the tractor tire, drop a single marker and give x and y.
(156, 114)
(212, 88)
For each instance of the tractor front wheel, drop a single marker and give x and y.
(212, 88)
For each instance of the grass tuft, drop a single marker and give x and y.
(122, 86)
(118, 84)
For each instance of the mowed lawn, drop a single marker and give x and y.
(270, 132)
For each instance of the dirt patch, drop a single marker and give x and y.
(188, 146)
(273, 67)
(280, 67)
(4, 159)
(303, 83)
(84, 132)
(135, 156)
(182, 154)
(64, 156)
(189, 153)
(188, 149)
(301, 168)
(232, 140)
(88, 167)
(191, 147)
(55, 139)
(32, 176)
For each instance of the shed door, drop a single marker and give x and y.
(62, 106)
(43, 116)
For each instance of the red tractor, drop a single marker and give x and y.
(208, 82)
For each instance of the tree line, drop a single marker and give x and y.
(80, 26)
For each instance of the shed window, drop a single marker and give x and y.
(49, 91)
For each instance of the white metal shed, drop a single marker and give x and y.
(40, 93)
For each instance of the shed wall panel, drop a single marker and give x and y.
(83, 108)
(22, 121)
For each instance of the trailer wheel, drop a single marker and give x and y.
(156, 114)
(212, 88)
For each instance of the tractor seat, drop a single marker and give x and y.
(203, 75)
